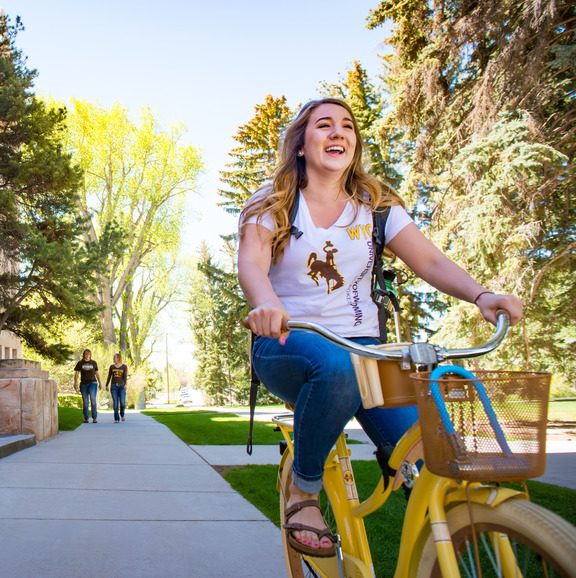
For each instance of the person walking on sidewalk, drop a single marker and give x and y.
(88, 370)
(118, 374)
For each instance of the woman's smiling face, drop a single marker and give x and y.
(329, 140)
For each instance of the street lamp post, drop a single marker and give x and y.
(167, 373)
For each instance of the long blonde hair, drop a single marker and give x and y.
(276, 198)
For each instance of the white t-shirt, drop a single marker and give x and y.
(325, 275)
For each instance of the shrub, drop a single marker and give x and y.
(70, 400)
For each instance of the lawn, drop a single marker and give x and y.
(215, 428)
(69, 418)
(562, 411)
(258, 485)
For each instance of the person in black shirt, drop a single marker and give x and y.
(88, 370)
(118, 373)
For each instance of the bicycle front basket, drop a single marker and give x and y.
(491, 428)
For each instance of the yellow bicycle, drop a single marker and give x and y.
(456, 524)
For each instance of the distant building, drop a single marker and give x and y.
(10, 344)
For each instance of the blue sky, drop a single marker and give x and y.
(206, 63)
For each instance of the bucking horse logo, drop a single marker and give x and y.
(325, 269)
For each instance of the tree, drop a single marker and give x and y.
(484, 93)
(218, 313)
(217, 309)
(385, 157)
(256, 157)
(44, 271)
(156, 285)
(366, 102)
(136, 180)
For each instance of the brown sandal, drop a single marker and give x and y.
(296, 527)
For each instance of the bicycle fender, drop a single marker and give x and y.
(406, 443)
(485, 495)
(285, 457)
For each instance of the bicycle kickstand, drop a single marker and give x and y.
(339, 556)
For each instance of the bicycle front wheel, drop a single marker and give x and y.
(539, 543)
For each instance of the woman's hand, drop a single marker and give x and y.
(489, 305)
(268, 321)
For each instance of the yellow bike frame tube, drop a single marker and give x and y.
(380, 495)
(409, 439)
(501, 544)
(428, 488)
(440, 530)
(339, 481)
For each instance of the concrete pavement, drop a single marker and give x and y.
(131, 499)
(128, 499)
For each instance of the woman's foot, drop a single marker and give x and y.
(94, 420)
(116, 421)
(123, 418)
(307, 516)
(86, 420)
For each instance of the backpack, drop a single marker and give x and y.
(383, 293)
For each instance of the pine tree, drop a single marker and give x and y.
(45, 273)
(367, 104)
(485, 95)
(217, 309)
(256, 156)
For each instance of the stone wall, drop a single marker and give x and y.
(28, 399)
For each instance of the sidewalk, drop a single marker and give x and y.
(127, 500)
(132, 500)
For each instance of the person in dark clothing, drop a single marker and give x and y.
(87, 368)
(118, 374)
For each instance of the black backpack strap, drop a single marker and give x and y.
(292, 216)
(254, 380)
(254, 383)
(382, 291)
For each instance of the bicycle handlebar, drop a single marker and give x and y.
(418, 353)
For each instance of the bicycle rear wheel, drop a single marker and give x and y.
(542, 544)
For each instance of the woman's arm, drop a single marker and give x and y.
(109, 376)
(254, 259)
(431, 265)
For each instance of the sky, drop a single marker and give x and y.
(205, 63)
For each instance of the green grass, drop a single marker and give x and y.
(258, 485)
(69, 418)
(215, 428)
(562, 411)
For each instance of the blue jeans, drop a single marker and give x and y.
(118, 399)
(318, 378)
(89, 389)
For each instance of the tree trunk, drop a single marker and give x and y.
(124, 322)
(106, 315)
(134, 340)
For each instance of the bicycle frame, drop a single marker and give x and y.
(431, 496)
